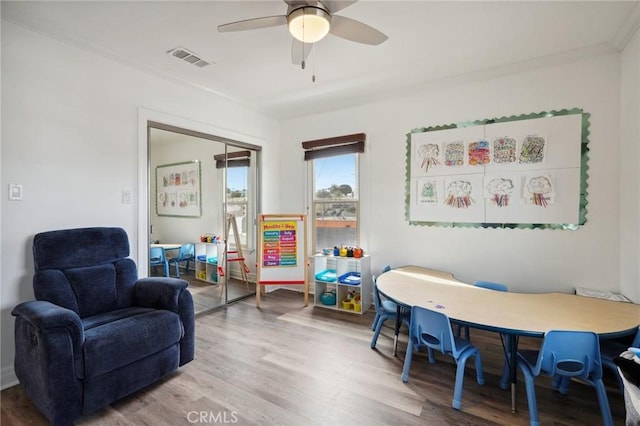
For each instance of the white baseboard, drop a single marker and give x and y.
(8, 378)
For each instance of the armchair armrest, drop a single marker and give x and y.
(46, 316)
(171, 294)
(48, 357)
(160, 293)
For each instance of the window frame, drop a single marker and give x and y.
(234, 160)
(327, 148)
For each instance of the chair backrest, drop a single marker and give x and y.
(636, 340)
(387, 268)
(491, 285)
(570, 353)
(377, 303)
(86, 270)
(433, 329)
(156, 256)
(187, 251)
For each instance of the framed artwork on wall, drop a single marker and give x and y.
(178, 189)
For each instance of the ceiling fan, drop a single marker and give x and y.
(310, 21)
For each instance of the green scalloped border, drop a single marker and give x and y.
(584, 168)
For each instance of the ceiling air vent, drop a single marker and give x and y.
(188, 56)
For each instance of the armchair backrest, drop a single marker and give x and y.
(86, 270)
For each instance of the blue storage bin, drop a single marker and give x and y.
(350, 278)
(328, 276)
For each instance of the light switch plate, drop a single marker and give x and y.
(127, 196)
(15, 192)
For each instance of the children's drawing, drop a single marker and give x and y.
(504, 150)
(479, 153)
(428, 155)
(499, 191)
(532, 150)
(459, 195)
(539, 190)
(454, 154)
(427, 191)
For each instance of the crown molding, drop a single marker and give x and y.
(628, 29)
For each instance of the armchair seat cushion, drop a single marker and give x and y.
(119, 338)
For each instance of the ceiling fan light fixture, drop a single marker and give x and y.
(309, 24)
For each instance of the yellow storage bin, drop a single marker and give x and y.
(347, 304)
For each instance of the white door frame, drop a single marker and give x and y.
(144, 117)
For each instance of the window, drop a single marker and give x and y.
(236, 165)
(237, 190)
(335, 201)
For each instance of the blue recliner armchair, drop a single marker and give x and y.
(96, 333)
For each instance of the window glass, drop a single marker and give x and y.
(237, 190)
(335, 201)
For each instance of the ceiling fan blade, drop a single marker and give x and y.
(299, 51)
(336, 6)
(353, 30)
(253, 24)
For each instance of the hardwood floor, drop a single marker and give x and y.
(284, 364)
(208, 296)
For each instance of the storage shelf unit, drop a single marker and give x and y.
(343, 266)
(207, 262)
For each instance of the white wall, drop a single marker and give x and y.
(526, 260)
(70, 136)
(629, 170)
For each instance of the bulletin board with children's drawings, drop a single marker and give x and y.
(526, 171)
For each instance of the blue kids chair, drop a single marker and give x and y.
(377, 302)
(187, 254)
(385, 310)
(432, 330)
(565, 354)
(157, 258)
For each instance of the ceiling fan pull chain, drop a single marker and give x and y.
(303, 61)
(313, 64)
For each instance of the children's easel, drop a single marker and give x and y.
(281, 257)
(237, 253)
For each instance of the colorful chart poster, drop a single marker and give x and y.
(279, 244)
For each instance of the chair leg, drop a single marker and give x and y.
(376, 333)
(561, 383)
(604, 402)
(531, 396)
(479, 371)
(460, 366)
(177, 270)
(407, 361)
(166, 269)
(456, 402)
(375, 321)
(432, 358)
(506, 377)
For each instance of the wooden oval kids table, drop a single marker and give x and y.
(516, 314)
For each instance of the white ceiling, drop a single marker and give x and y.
(430, 44)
